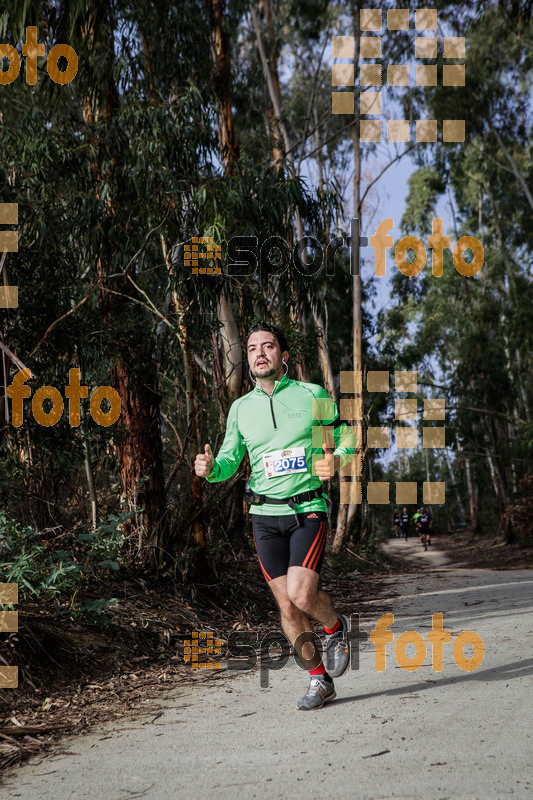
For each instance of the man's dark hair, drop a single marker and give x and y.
(274, 330)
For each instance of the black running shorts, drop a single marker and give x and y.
(282, 542)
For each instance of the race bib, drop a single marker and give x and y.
(285, 462)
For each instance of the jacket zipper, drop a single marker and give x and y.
(272, 412)
(271, 407)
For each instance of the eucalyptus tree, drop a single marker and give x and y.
(476, 329)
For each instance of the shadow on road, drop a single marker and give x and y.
(516, 669)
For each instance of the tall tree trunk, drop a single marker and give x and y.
(357, 289)
(192, 404)
(273, 60)
(275, 98)
(93, 497)
(4, 366)
(453, 476)
(139, 446)
(231, 345)
(301, 368)
(323, 353)
(347, 515)
(272, 81)
(192, 409)
(222, 82)
(139, 451)
(472, 504)
(501, 481)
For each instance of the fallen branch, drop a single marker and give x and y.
(359, 558)
(27, 730)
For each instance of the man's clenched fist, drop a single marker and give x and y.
(203, 463)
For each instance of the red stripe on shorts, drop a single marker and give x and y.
(318, 553)
(316, 558)
(315, 547)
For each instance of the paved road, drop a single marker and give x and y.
(412, 550)
(391, 734)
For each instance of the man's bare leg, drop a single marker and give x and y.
(297, 595)
(302, 589)
(296, 625)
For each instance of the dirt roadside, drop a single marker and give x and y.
(413, 731)
(74, 676)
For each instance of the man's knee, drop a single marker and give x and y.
(288, 609)
(303, 597)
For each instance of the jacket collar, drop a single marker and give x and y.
(277, 385)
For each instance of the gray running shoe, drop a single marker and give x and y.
(337, 650)
(320, 691)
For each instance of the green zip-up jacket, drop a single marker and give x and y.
(292, 417)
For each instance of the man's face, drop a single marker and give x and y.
(404, 508)
(264, 355)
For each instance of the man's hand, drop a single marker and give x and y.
(204, 462)
(325, 467)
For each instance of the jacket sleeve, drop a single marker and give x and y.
(325, 413)
(232, 451)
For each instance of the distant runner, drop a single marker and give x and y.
(396, 523)
(275, 422)
(416, 521)
(426, 523)
(405, 519)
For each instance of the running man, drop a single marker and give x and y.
(278, 423)
(396, 522)
(426, 523)
(416, 522)
(405, 519)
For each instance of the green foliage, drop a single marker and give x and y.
(115, 172)
(55, 575)
(425, 185)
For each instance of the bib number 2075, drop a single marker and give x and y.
(285, 462)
